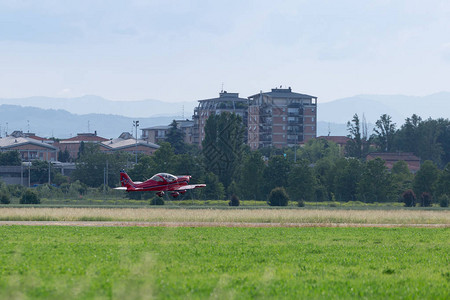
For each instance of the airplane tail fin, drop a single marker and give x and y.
(126, 181)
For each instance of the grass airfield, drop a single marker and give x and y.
(71, 262)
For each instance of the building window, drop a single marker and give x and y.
(284, 127)
(312, 119)
(284, 118)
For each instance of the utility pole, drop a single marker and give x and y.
(49, 172)
(136, 124)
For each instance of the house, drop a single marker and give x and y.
(391, 158)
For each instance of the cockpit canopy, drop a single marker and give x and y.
(163, 176)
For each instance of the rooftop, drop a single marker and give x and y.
(85, 137)
(119, 143)
(225, 96)
(283, 93)
(11, 142)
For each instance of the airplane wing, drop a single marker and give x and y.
(189, 187)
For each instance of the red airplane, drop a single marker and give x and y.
(159, 183)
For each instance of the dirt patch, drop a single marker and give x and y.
(207, 224)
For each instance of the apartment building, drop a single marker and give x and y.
(156, 134)
(281, 118)
(226, 102)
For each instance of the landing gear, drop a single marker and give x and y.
(175, 194)
(160, 194)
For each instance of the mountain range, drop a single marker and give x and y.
(64, 117)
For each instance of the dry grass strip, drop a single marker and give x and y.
(210, 224)
(270, 216)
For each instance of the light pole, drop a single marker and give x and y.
(136, 124)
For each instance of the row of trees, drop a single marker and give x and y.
(428, 139)
(316, 172)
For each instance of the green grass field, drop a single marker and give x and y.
(223, 263)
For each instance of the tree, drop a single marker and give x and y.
(316, 149)
(175, 137)
(402, 178)
(81, 149)
(64, 156)
(385, 131)
(4, 198)
(409, 198)
(214, 189)
(39, 172)
(347, 174)
(278, 197)
(426, 199)
(301, 181)
(10, 158)
(443, 182)
(223, 145)
(426, 178)
(276, 173)
(251, 176)
(375, 184)
(234, 201)
(93, 166)
(163, 159)
(407, 136)
(429, 147)
(30, 197)
(357, 146)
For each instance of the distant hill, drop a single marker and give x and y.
(62, 117)
(62, 124)
(93, 104)
(373, 106)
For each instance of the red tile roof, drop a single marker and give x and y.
(390, 158)
(86, 137)
(342, 140)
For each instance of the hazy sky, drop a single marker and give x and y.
(185, 50)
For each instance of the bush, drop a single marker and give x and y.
(443, 200)
(278, 197)
(234, 201)
(157, 201)
(4, 198)
(409, 198)
(30, 197)
(426, 199)
(301, 203)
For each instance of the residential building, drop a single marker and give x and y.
(127, 143)
(73, 144)
(227, 102)
(156, 134)
(391, 158)
(29, 149)
(281, 118)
